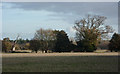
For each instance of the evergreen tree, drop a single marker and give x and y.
(62, 42)
(114, 44)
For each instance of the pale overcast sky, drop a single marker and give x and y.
(27, 17)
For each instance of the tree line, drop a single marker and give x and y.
(89, 32)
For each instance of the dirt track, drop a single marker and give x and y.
(57, 54)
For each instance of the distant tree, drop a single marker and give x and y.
(46, 38)
(34, 45)
(90, 31)
(6, 45)
(27, 45)
(11, 40)
(62, 42)
(103, 44)
(114, 44)
(27, 40)
(22, 41)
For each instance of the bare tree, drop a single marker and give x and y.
(92, 29)
(92, 26)
(46, 38)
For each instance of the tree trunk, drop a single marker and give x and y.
(111, 50)
(45, 51)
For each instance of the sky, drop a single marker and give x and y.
(24, 18)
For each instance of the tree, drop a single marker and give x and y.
(6, 45)
(46, 38)
(90, 31)
(62, 42)
(35, 45)
(72, 44)
(27, 40)
(20, 41)
(27, 45)
(114, 44)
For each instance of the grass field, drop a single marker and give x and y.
(60, 62)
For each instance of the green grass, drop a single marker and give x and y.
(61, 64)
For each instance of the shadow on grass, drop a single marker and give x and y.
(19, 52)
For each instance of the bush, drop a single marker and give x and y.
(85, 46)
(90, 48)
(6, 45)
